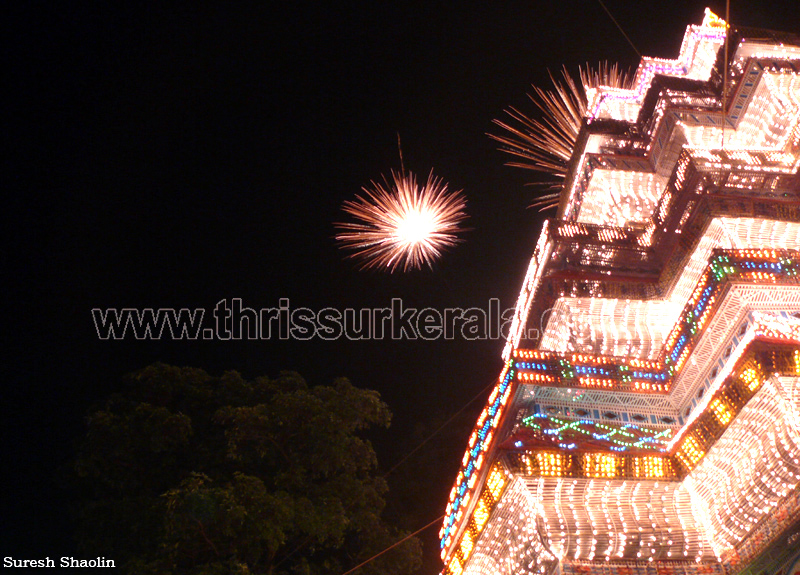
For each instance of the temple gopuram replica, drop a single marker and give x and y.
(647, 415)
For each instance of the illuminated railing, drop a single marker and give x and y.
(687, 455)
(646, 376)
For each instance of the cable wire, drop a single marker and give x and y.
(725, 70)
(407, 537)
(432, 435)
(620, 28)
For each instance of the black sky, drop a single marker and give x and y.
(174, 155)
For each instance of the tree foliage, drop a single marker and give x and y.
(185, 473)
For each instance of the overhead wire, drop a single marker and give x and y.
(620, 29)
(403, 460)
(725, 69)
(404, 539)
(432, 435)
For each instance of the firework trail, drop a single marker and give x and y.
(546, 144)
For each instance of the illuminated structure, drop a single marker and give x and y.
(647, 418)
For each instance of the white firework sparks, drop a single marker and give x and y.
(402, 224)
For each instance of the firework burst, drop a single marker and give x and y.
(546, 144)
(402, 225)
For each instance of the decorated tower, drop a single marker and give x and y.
(647, 417)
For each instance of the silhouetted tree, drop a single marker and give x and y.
(185, 473)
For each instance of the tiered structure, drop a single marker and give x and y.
(647, 418)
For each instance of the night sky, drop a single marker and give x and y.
(176, 155)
